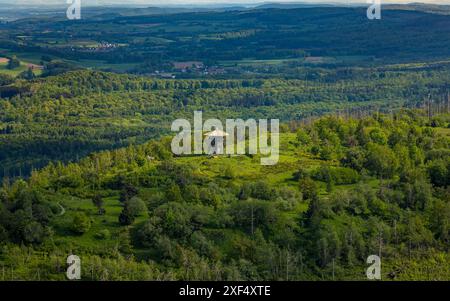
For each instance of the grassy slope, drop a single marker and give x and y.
(246, 169)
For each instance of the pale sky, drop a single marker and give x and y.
(171, 2)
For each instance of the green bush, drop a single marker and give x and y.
(136, 206)
(81, 223)
(103, 234)
(13, 63)
(336, 175)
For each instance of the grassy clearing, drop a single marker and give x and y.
(245, 168)
(15, 72)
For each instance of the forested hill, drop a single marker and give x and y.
(342, 190)
(65, 117)
(405, 33)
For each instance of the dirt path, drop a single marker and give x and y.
(63, 210)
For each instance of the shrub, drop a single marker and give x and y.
(136, 206)
(125, 217)
(103, 234)
(308, 188)
(13, 63)
(336, 175)
(33, 233)
(81, 223)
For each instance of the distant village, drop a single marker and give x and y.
(102, 47)
(192, 67)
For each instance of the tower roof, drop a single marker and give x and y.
(216, 133)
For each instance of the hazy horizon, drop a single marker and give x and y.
(205, 2)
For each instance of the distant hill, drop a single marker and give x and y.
(294, 5)
(428, 8)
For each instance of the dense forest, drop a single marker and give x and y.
(406, 33)
(86, 166)
(344, 188)
(66, 117)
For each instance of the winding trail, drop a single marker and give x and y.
(63, 210)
